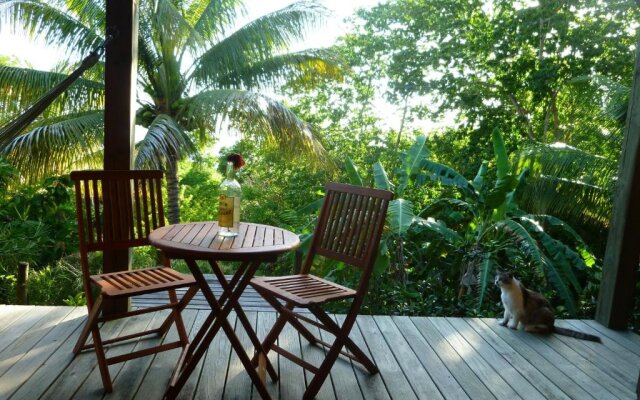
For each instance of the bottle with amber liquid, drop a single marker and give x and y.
(229, 203)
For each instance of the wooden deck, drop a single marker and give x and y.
(250, 299)
(423, 358)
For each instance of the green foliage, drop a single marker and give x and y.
(497, 236)
(38, 223)
(58, 284)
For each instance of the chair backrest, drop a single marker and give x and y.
(117, 209)
(350, 226)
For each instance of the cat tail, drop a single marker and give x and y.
(576, 334)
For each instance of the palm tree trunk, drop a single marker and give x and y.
(173, 191)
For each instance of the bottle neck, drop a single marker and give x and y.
(231, 172)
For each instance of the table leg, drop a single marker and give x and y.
(228, 290)
(219, 317)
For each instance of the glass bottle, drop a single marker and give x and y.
(229, 203)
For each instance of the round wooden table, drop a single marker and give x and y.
(253, 245)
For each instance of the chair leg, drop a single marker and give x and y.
(102, 360)
(349, 344)
(269, 340)
(324, 369)
(91, 327)
(176, 314)
(92, 319)
(292, 320)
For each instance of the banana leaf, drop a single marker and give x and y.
(352, 173)
(449, 177)
(380, 177)
(400, 215)
(412, 163)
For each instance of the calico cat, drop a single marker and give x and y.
(530, 309)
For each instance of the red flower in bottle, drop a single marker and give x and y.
(236, 159)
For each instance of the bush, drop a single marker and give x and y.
(57, 285)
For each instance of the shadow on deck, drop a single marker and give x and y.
(418, 357)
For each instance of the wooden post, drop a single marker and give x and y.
(121, 58)
(616, 298)
(21, 286)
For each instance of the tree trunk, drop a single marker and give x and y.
(173, 191)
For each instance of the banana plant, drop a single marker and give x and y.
(494, 233)
(401, 214)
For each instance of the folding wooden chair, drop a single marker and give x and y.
(348, 230)
(118, 210)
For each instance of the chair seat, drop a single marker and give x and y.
(302, 290)
(141, 281)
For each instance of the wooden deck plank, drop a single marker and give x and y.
(28, 365)
(609, 362)
(492, 380)
(208, 380)
(315, 355)
(521, 363)
(511, 375)
(547, 351)
(75, 373)
(92, 387)
(372, 386)
(628, 340)
(10, 313)
(394, 379)
(472, 385)
(57, 363)
(25, 342)
(23, 324)
(155, 381)
(418, 357)
(419, 379)
(265, 322)
(436, 369)
(133, 371)
(585, 364)
(613, 347)
(342, 374)
(293, 386)
(238, 383)
(559, 377)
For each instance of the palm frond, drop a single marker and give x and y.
(89, 12)
(163, 139)
(254, 115)
(306, 67)
(259, 40)
(44, 20)
(212, 18)
(560, 172)
(173, 29)
(21, 87)
(57, 145)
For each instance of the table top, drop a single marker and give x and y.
(200, 240)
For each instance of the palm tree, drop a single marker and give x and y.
(199, 75)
